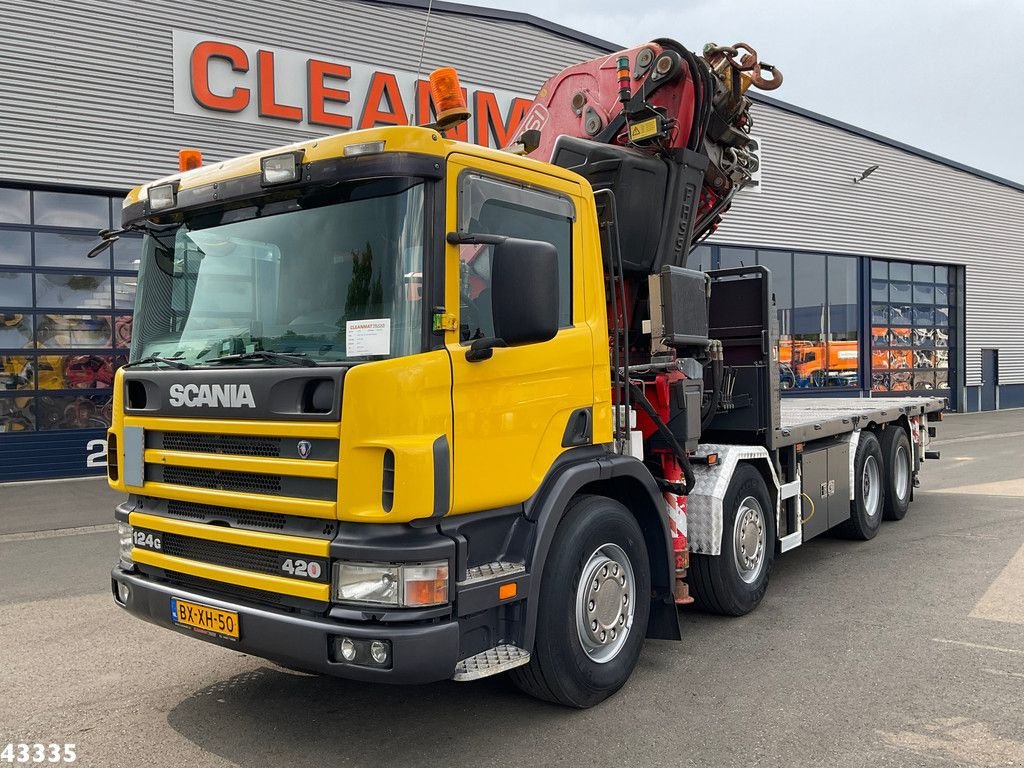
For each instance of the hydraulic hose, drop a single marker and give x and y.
(717, 373)
(704, 90)
(677, 449)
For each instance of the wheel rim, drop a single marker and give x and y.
(748, 533)
(605, 598)
(872, 492)
(901, 473)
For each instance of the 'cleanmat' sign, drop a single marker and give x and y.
(248, 82)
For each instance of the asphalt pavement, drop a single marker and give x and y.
(904, 651)
(56, 504)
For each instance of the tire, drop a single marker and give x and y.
(720, 584)
(570, 665)
(896, 457)
(869, 481)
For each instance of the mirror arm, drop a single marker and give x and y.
(483, 349)
(464, 238)
(105, 243)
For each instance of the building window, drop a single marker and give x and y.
(65, 320)
(15, 207)
(911, 307)
(824, 325)
(817, 298)
(700, 258)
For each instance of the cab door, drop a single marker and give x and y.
(510, 412)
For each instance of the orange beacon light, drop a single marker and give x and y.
(446, 94)
(189, 159)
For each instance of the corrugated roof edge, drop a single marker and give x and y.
(825, 119)
(525, 18)
(502, 15)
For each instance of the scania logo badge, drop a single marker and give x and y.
(305, 448)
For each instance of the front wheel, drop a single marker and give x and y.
(734, 582)
(594, 604)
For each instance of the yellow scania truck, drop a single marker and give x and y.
(404, 409)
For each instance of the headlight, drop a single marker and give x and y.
(125, 534)
(281, 169)
(162, 196)
(367, 583)
(407, 585)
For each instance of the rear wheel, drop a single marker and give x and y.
(594, 605)
(899, 472)
(868, 485)
(734, 582)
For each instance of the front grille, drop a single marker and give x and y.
(232, 517)
(243, 482)
(245, 518)
(239, 445)
(217, 553)
(265, 483)
(216, 587)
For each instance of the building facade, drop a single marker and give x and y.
(908, 280)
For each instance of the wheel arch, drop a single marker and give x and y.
(629, 482)
(705, 505)
(903, 422)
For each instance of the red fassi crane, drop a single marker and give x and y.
(660, 99)
(663, 136)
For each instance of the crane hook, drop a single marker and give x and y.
(759, 81)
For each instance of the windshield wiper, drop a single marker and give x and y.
(296, 358)
(173, 363)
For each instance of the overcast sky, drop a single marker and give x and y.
(942, 75)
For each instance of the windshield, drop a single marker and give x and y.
(333, 276)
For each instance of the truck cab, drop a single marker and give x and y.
(361, 392)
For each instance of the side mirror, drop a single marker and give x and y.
(524, 291)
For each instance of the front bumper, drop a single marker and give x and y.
(421, 653)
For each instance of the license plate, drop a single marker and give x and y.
(203, 618)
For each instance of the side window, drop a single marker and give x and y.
(494, 207)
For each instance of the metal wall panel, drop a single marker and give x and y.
(910, 208)
(86, 91)
(38, 455)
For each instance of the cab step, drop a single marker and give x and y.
(494, 661)
(488, 571)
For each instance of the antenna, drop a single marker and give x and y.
(423, 47)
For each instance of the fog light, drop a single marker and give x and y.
(124, 592)
(162, 196)
(281, 169)
(348, 649)
(379, 651)
(375, 654)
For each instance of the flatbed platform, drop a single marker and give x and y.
(810, 418)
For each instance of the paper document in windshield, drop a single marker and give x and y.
(368, 337)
